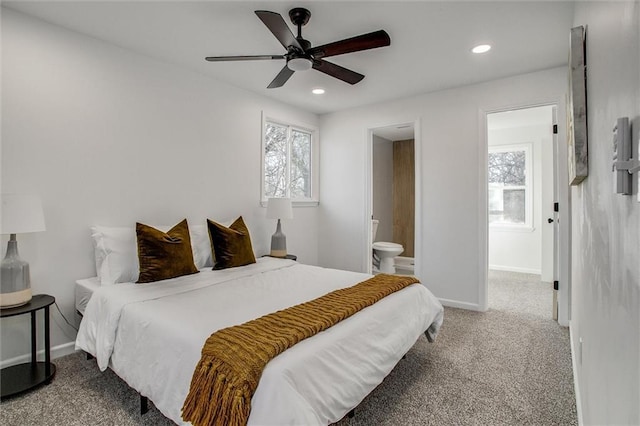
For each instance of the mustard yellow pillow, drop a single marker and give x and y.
(230, 246)
(164, 255)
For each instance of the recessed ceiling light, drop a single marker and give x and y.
(481, 48)
(318, 91)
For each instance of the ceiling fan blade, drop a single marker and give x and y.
(353, 44)
(279, 28)
(242, 58)
(281, 78)
(337, 71)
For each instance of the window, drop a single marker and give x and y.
(510, 193)
(289, 165)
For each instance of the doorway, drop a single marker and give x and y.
(393, 201)
(521, 170)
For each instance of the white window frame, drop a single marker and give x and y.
(527, 226)
(315, 155)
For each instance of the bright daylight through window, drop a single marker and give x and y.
(288, 152)
(509, 185)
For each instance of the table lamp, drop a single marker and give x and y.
(20, 214)
(279, 208)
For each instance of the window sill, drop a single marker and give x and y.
(305, 203)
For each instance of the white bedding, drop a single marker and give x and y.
(84, 290)
(151, 335)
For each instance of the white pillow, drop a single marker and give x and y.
(116, 252)
(201, 246)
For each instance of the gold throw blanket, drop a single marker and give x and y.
(233, 358)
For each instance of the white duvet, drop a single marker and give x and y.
(151, 335)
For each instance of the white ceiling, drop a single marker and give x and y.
(430, 41)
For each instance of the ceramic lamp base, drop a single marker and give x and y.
(278, 253)
(17, 298)
(278, 243)
(15, 282)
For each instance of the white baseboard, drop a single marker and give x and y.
(56, 352)
(516, 269)
(576, 384)
(461, 305)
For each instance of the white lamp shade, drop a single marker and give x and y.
(279, 208)
(21, 213)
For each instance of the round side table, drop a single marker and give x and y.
(22, 377)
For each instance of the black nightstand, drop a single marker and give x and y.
(289, 256)
(22, 377)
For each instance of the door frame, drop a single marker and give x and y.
(368, 194)
(562, 224)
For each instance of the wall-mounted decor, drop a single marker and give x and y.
(577, 108)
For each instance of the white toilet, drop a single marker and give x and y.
(384, 253)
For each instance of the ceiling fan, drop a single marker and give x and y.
(301, 56)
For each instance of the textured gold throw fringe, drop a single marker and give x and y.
(233, 358)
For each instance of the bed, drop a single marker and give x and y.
(83, 291)
(151, 336)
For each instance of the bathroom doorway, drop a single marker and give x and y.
(393, 199)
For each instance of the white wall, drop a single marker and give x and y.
(606, 226)
(521, 250)
(107, 136)
(383, 187)
(452, 183)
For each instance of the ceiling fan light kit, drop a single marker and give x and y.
(301, 56)
(299, 64)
